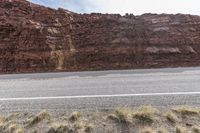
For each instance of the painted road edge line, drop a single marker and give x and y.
(99, 96)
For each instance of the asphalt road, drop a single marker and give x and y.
(99, 90)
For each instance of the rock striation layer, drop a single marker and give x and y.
(34, 38)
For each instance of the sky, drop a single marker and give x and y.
(137, 7)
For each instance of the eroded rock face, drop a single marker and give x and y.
(39, 39)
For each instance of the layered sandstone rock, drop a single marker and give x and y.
(39, 39)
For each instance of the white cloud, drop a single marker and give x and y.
(128, 6)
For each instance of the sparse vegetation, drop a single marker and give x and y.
(144, 119)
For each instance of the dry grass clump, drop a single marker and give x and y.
(171, 117)
(180, 129)
(39, 117)
(78, 125)
(147, 130)
(88, 128)
(74, 125)
(14, 128)
(11, 117)
(61, 129)
(145, 113)
(186, 110)
(122, 115)
(19, 130)
(196, 129)
(10, 127)
(58, 128)
(3, 125)
(161, 130)
(82, 127)
(75, 116)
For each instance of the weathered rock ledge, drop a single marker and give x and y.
(34, 38)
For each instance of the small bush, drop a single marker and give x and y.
(145, 114)
(78, 125)
(39, 117)
(171, 117)
(10, 127)
(58, 128)
(122, 115)
(186, 110)
(75, 116)
(147, 130)
(161, 130)
(180, 129)
(88, 128)
(19, 130)
(196, 130)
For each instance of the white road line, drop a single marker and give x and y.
(99, 96)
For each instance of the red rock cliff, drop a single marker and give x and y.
(39, 39)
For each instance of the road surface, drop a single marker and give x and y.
(98, 90)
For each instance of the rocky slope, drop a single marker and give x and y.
(39, 39)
